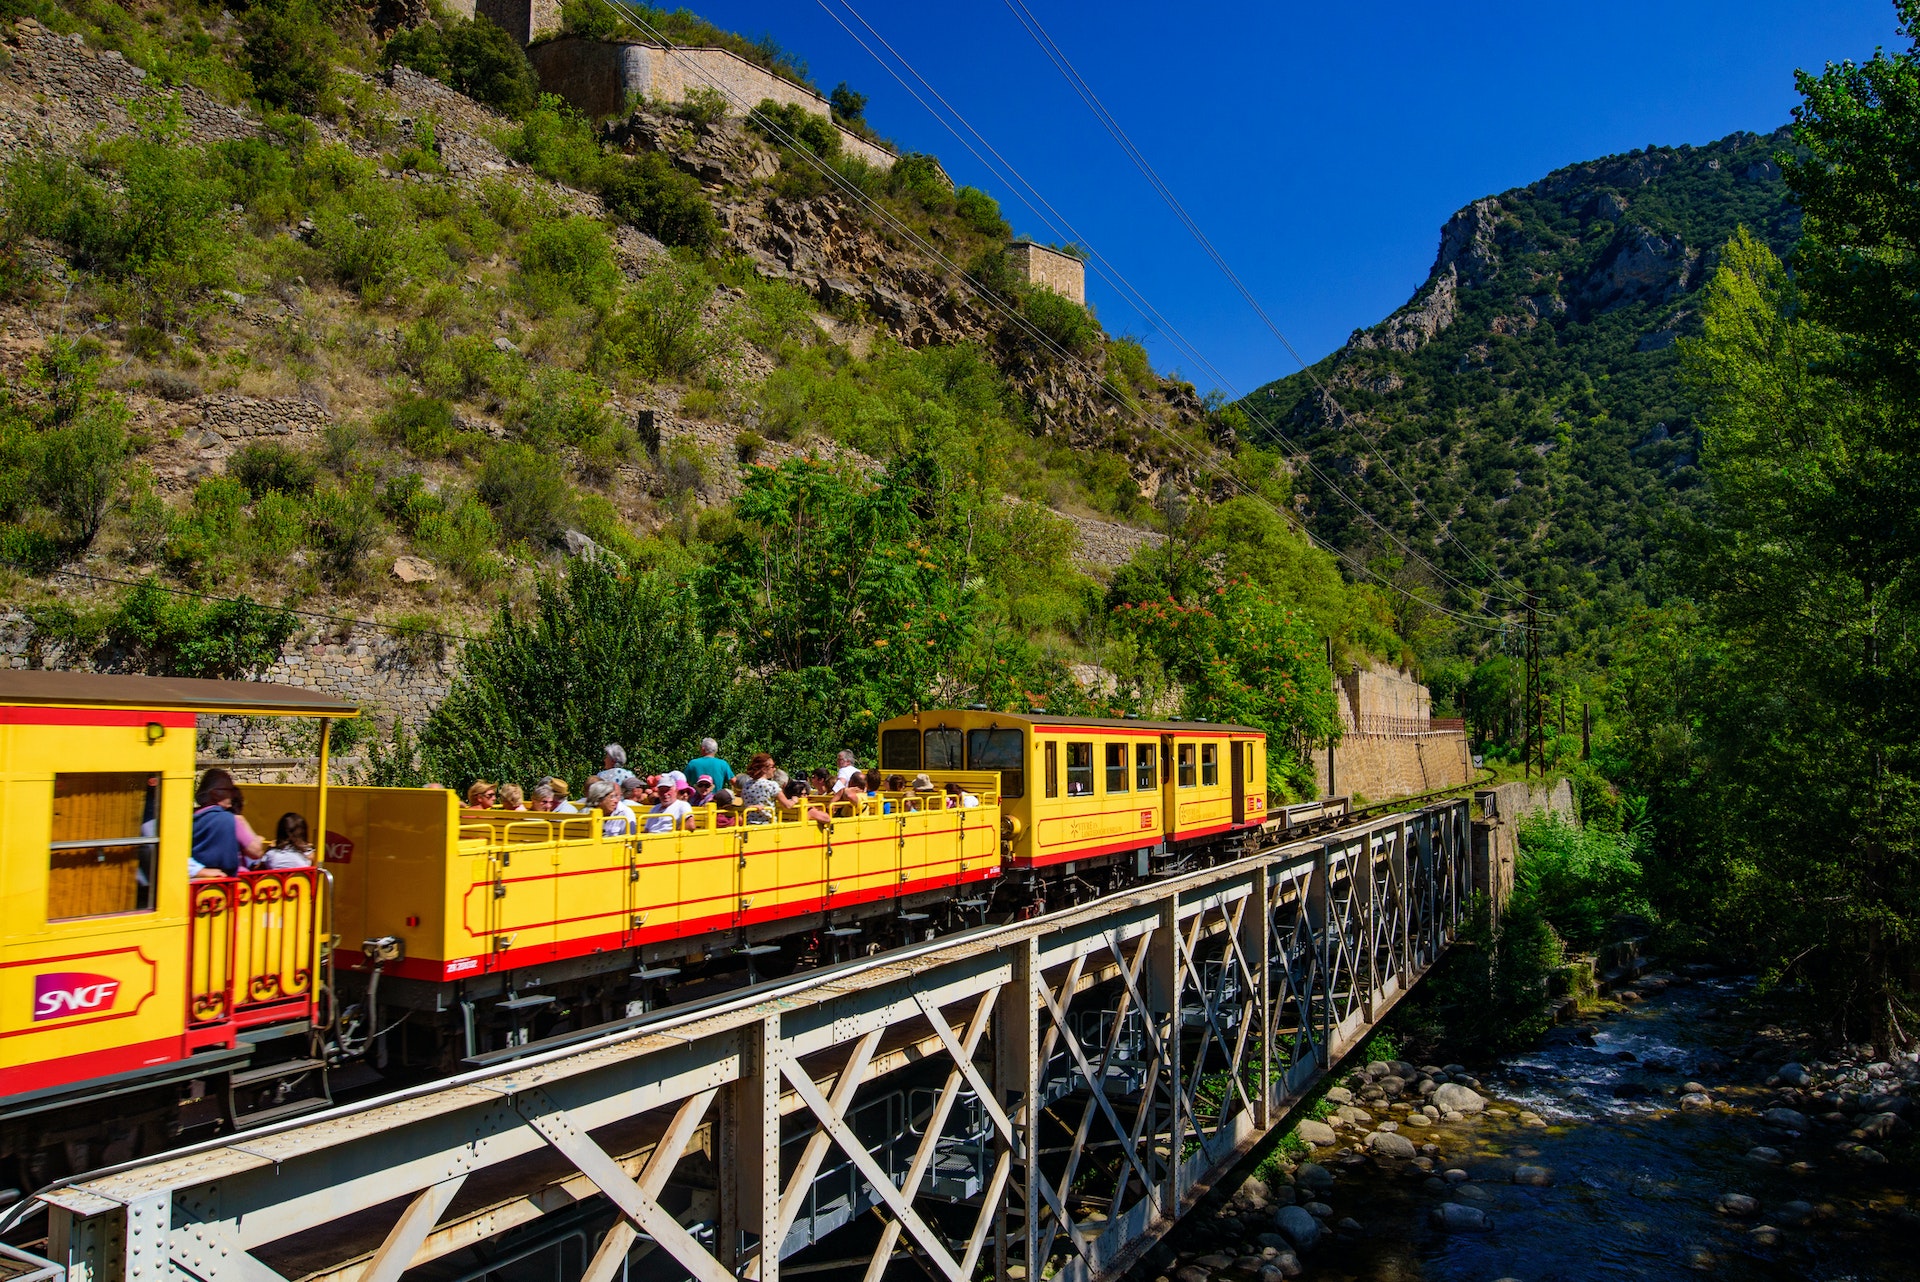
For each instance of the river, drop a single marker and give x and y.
(1627, 1183)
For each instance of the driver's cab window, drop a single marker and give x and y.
(106, 833)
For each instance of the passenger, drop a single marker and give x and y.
(896, 783)
(959, 798)
(540, 800)
(761, 788)
(723, 805)
(793, 796)
(511, 798)
(670, 809)
(927, 790)
(561, 804)
(709, 762)
(853, 791)
(702, 792)
(290, 848)
(481, 795)
(822, 781)
(221, 838)
(616, 772)
(847, 767)
(635, 799)
(605, 798)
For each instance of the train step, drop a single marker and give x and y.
(275, 1072)
(292, 1108)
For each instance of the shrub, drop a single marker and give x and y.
(564, 408)
(265, 467)
(747, 446)
(423, 425)
(257, 174)
(343, 526)
(80, 468)
(342, 444)
(660, 329)
(474, 56)
(1069, 325)
(568, 260)
(918, 175)
(848, 106)
(277, 528)
(394, 765)
(648, 192)
(1128, 358)
(527, 492)
(791, 125)
(703, 107)
(460, 533)
(165, 634)
(419, 636)
(980, 212)
(558, 143)
(591, 20)
(288, 50)
(1578, 879)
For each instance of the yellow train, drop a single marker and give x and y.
(137, 1003)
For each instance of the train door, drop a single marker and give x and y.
(1169, 801)
(1238, 763)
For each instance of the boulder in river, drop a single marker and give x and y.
(1736, 1204)
(1284, 1264)
(1763, 1154)
(1451, 1097)
(1536, 1176)
(1455, 1175)
(1696, 1101)
(1787, 1119)
(1339, 1095)
(1794, 1074)
(1391, 1144)
(1316, 1133)
(1299, 1227)
(1312, 1175)
(1876, 1127)
(1454, 1217)
(1191, 1273)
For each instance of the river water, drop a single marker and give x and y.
(1634, 1179)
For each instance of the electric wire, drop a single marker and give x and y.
(987, 295)
(1004, 169)
(1051, 48)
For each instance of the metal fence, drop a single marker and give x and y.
(1075, 1081)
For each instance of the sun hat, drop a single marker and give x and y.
(922, 783)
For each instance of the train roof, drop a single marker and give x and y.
(1116, 723)
(190, 694)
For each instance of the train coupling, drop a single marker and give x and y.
(383, 951)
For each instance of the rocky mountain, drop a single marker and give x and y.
(1523, 412)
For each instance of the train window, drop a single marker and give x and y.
(1248, 754)
(1143, 767)
(1185, 757)
(105, 826)
(1209, 765)
(899, 749)
(1053, 767)
(1116, 767)
(944, 749)
(1079, 770)
(1002, 750)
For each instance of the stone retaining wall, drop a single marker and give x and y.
(1382, 767)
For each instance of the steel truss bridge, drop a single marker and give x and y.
(1044, 1097)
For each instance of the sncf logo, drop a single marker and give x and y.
(72, 993)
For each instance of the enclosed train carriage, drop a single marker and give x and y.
(1090, 791)
(488, 927)
(119, 976)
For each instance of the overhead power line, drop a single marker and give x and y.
(993, 301)
(1045, 211)
(1055, 54)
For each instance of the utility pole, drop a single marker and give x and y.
(1331, 735)
(1534, 752)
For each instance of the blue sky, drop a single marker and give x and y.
(1320, 146)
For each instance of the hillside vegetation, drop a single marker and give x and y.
(311, 313)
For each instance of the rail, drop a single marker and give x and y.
(1122, 1054)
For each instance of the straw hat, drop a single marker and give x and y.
(921, 783)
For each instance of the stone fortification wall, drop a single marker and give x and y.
(1064, 274)
(1382, 767)
(602, 77)
(1377, 700)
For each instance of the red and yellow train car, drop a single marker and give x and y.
(1086, 792)
(120, 978)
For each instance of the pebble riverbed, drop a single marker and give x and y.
(1685, 1134)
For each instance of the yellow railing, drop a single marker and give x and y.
(255, 943)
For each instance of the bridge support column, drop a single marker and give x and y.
(1255, 934)
(749, 1184)
(1016, 1084)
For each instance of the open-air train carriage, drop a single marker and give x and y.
(137, 1004)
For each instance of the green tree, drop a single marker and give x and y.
(603, 656)
(848, 105)
(288, 49)
(473, 55)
